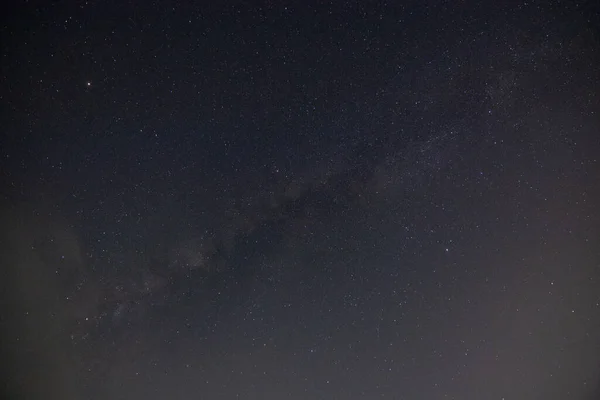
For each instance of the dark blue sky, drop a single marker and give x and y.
(280, 200)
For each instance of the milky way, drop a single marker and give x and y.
(292, 202)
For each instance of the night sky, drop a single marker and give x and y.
(296, 200)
